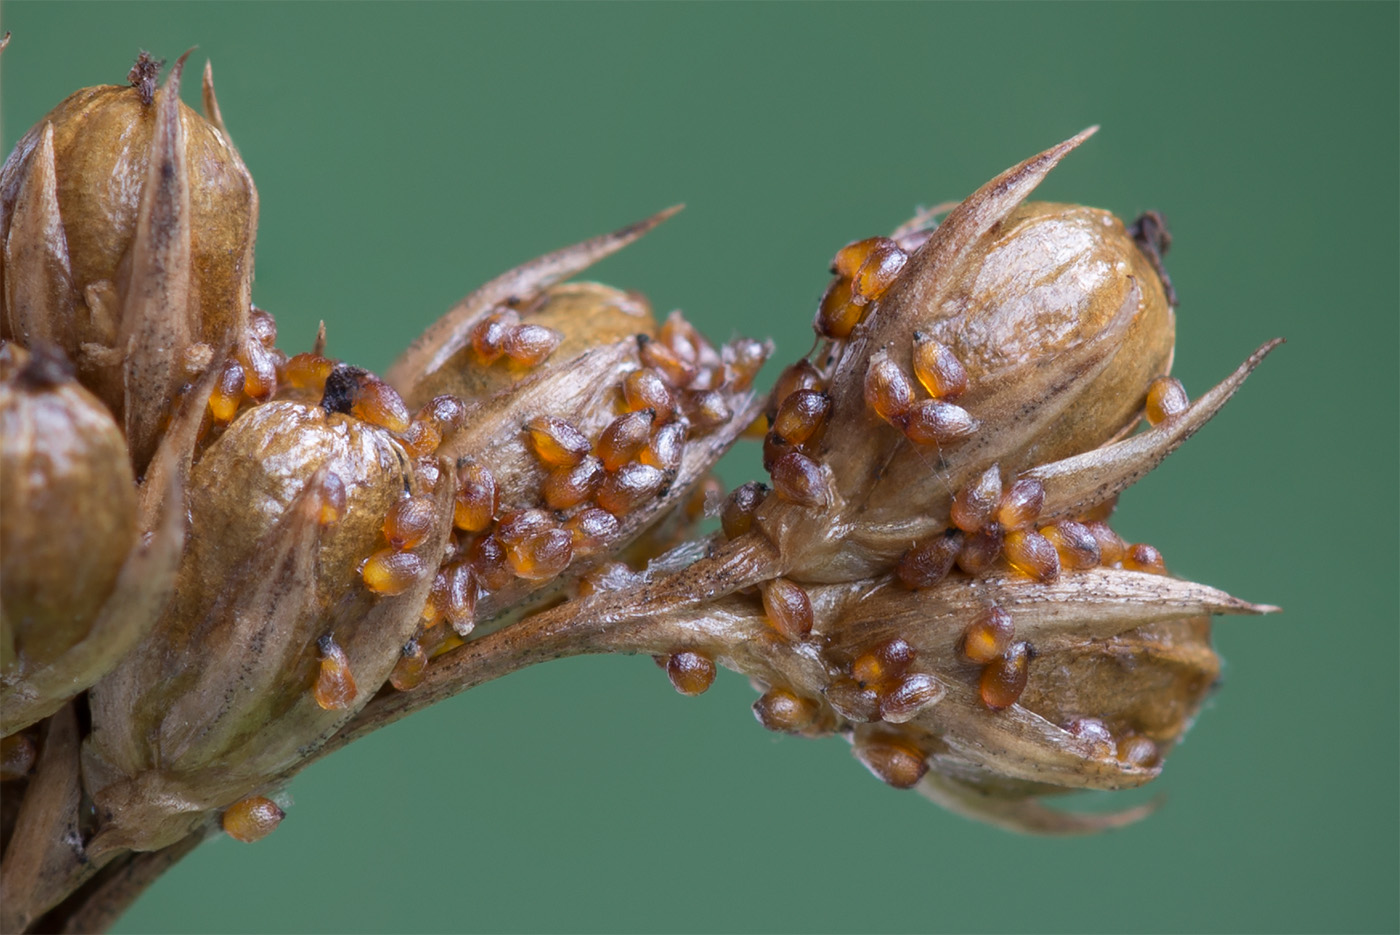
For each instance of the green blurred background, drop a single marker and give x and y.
(406, 153)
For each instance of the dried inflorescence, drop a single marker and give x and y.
(265, 554)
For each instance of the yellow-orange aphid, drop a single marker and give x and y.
(529, 345)
(850, 258)
(1032, 555)
(408, 523)
(1095, 733)
(981, 549)
(800, 376)
(879, 271)
(787, 608)
(673, 368)
(1137, 750)
(488, 560)
(1111, 546)
(887, 389)
(331, 500)
(389, 571)
(987, 637)
(882, 663)
(802, 415)
(934, 422)
(1143, 557)
(227, 392)
(1003, 679)
(938, 368)
(557, 442)
(708, 410)
(259, 371)
(910, 695)
(489, 335)
(736, 518)
(541, 556)
(628, 487)
(262, 326)
(408, 672)
(1021, 504)
(335, 686)
(477, 498)
(308, 372)
(854, 701)
(624, 437)
(974, 504)
(690, 672)
(644, 389)
(798, 479)
(1166, 397)
(786, 712)
(379, 404)
(422, 438)
(837, 316)
(743, 358)
(446, 413)
(929, 562)
(252, 819)
(592, 529)
(1078, 549)
(17, 756)
(665, 448)
(570, 486)
(895, 761)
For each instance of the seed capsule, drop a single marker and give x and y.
(624, 437)
(262, 326)
(1143, 557)
(632, 485)
(883, 663)
(252, 819)
(542, 556)
(800, 376)
(688, 344)
(987, 637)
(785, 712)
(644, 389)
(837, 316)
(570, 486)
(1032, 555)
(929, 562)
(788, 609)
(666, 447)
(529, 345)
(259, 370)
(557, 442)
(518, 525)
(409, 522)
(1021, 504)
(227, 392)
(980, 550)
(855, 702)
(798, 479)
(17, 756)
(896, 762)
(737, 516)
(974, 505)
(335, 686)
(708, 410)
(691, 673)
(477, 498)
(879, 271)
(938, 368)
(379, 404)
(1076, 545)
(1137, 750)
(422, 438)
(1004, 678)
(308, 372)
(675, 370)
(389, 571)
(489, 335)
(1166, 397)
(850, 258)
(592, 530)
(453, 598)
(1111, 547)
(934, 422)
(802, 415)
(1095, 732)
(446, 413)
(910, 695)
(488, 560)
(887, 390)
(408, 672)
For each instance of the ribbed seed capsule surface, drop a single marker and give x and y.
(1111, 546)
(624, 437)
(529, 345)
(1143, 557)
(691, 673)
(788, 609)
(907, 697)
(1021, 504)
(409, 522)
(883, 662)
(389, 571)
(543, 555)
(1004, 679)
(938, 368)
(408, 672)
(477, 498)
(335, 685)
(934, 422)
(644, 389)
(974, 505)
(556, 441)
(850, 258)
(422, 438)
(981, 549)
(987, 637)
(784, 711)
(1076, 545)
(887, 389)
(592, 529)
(1166, 397)
(488, 560)
(798, 479)
(227, 392)
(308, 372)
(379, 404)
(879, 271)
(708, 410)
(673, 368)
(570, 486)
(252, 819)
(801, 415)
(1032, 555)
(631, 485)
(837, 316)
(929, 562)
(489, 335)
(799, 376)
(737, 516)
(899, 764)
(665, 448)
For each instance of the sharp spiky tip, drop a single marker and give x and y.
(211, 100)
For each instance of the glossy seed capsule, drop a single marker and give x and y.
(518, 525)
(910, 695)
(1032, 555)
(837, 316)
(708, 410)
(929, 562)
(1166, 397)
(1096, 734)
(389, 571)
(308, 372)
(489, 335)
(624, 437)
(899, 764)
(570, 486)
(690, 672)
(17, 756)
(743, 358)
(1111, 546)
(1004, 678)
(556, 441)
(408, 672)
(974, 505)
(688, 344)
(736, 518)
(262, 326)
(1021, 504)
(644, 389)
(421, 439)
(802, 415)
(457, 599)
(1076, 545)
(798, 479)
(666, 447)
(887, 389)
(883, 662)
(542, 556)
(938, 368)
(488, 560)
(477, 498)
(774, 447)
(592, 530)
(879, 271)
(335, 686)
(409, 522)
(379, 404)
(853, 701)
(446, 413)
(800, 376)
(674, 369)
(784, 711)
(252, 819)
(787, 608)
(1143, 557)
(850, 258)
(529, 345)
(1137, 750)
(259, 371)
(934, 422)
(987, 637)
(332, 500)
(981, 549)
(227, 392)
(630, 486)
